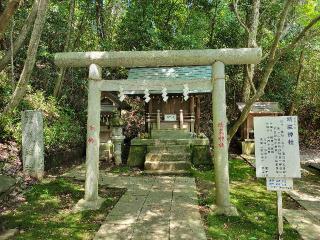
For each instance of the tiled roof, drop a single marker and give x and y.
(171, 73)
(262, 107)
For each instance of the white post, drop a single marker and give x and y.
(181, 119)
(280, 216)
(158, 119)
(91, 199)
(220, 143)
(148, 123)
(192, 122)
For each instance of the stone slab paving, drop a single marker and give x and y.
(157, 208)
(304, 222)
(307, 193)
(310, 157)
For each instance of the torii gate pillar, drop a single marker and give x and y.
(91, 199)
(220, 142)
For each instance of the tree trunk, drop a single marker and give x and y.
(100, 19)
(31, 57)
(266, 73)
(5, 17)
(295, 92)
(22, 36)
(252, 42)
(58, 85)
(272, 59)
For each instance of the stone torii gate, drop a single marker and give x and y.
(217, 58)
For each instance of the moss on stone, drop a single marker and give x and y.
(137, 155)
(201, 155)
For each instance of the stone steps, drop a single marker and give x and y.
(171, 134)
(167, 172)
(167, 157)
(168, 148)
(154, 142)
(170, 152)
(170, 166)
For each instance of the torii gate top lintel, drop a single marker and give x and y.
(131, 59)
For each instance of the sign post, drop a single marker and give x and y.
(277, 155)
(280, 216)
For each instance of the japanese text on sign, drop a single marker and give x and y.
(279, 184)
(277, 147)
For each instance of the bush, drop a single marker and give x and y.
(134, 122)
(62, 130)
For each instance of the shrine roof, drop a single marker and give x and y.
(262, 107)
(171, 73)
(111, 102)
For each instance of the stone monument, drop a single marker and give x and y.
(32, 143)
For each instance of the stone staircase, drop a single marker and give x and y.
(170, 154)
(165, 134)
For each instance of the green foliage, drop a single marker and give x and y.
(163, 25)
(282, 82)
(61, 128)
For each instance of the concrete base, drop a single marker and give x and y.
(137, 154)
(36, 174)
(226, 210)
(84, 205)
(248, 147)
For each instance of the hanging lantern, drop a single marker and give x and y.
(146, 95)
(121, 94)
(164, 94)
(186, 92)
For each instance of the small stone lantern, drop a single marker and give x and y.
(117, 137)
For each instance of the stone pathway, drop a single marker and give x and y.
(311, 158)
(152, 208)
(307, 193)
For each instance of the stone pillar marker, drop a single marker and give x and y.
(117, 138)
(91, 199)
(32, 143)
(220, 142)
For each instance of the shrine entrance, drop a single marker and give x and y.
(214, 58)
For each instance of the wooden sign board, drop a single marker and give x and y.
(277, 147)
(279, 184)
(170, 117)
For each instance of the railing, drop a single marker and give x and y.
(153, 117)
(158, 118)
(191, 120)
